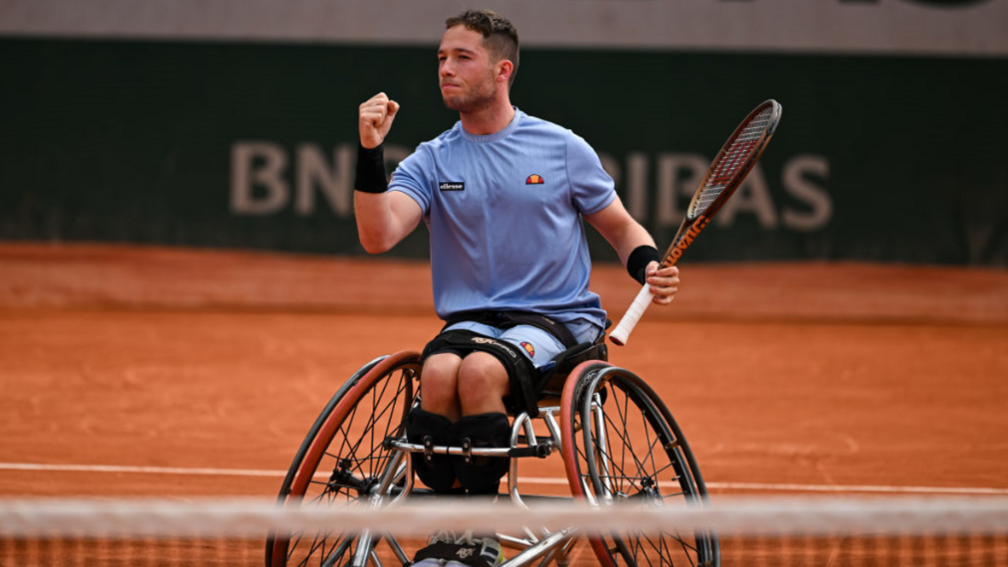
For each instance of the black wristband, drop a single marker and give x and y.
(371, 170)
(639, 259)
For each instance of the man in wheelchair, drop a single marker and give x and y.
(503, 195)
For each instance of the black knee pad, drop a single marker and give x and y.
(482, 475)
(435, 471)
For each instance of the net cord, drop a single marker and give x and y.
(736, 516)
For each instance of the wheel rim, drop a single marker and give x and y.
(348, 456)
(631, 453)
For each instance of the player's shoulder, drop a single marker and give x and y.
(546, 129)
(444, 139)
(428, 151)
(537, 125)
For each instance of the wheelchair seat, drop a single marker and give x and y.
(526, 396)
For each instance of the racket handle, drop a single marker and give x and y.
(633, 314)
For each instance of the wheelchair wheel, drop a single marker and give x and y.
(343, 459)
(622, 447)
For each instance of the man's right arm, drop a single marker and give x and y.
(383, 218)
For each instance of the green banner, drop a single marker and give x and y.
(877, 158)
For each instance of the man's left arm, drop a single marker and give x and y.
(636, 250)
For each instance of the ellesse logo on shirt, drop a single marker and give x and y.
(452, 186)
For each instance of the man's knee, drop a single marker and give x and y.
(492, 370)
(439, 383)
(482, 383)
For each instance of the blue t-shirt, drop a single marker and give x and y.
(504, 214)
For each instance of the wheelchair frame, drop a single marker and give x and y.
(591, 455)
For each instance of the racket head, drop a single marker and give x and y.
(729, 168)
(736, 158)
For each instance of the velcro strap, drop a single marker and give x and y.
(508, 319)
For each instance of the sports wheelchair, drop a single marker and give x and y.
(618, 442)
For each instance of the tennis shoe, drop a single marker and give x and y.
(490, 554)
(459, 550)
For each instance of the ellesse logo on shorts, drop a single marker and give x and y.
(452, 186)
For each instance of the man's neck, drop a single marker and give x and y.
(489, 120)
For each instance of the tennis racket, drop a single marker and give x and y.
(731, 165)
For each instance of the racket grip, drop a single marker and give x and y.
(633, 314)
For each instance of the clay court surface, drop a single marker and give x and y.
(180, 373)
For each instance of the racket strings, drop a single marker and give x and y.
(735, 157)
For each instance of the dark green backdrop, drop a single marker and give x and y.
(133, 142)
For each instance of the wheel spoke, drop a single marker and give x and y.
(633, 452)
(368, 412)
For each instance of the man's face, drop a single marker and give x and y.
(465, 71)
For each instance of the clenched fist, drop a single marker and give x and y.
(375, 119)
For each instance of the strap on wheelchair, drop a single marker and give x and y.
(551, 381)
(508, 319)
(527, 384)
(481, 475)
(429, 429)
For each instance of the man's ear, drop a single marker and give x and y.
(504, 69)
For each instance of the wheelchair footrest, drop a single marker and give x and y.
(540, 451)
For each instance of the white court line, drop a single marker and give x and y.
(770, 487)
(856, 488)
(767, 487)
(139, 470)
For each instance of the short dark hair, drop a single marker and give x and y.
(499, 35)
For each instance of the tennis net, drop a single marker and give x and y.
(745, 531)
